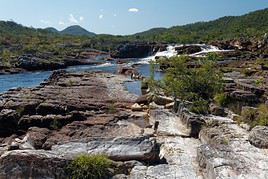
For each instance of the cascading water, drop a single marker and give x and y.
(171, 52)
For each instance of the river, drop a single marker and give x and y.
(31, 79)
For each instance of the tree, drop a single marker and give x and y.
(198, 84)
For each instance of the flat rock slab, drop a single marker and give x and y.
(177, 149)
(167, 123)
(119, 149)
(227, 153)
(63, 95)
(162, 172)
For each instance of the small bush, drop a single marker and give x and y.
(20, 110)
(55, 125)
(255, 116)
(112, 108)
(262, 118)
(260, 82)
(87, 166)
(221, 99)
(199, 107)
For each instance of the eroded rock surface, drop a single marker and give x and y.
(227, 153)
(259, 137)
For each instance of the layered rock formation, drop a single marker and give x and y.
(43, 128)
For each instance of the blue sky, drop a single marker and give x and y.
(121, 16)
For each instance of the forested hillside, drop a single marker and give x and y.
(251, 25)
(17, 39)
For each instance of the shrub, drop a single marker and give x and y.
(55, 124)
(86, 166)
(20, 110)
(255, 116)
(260, 82)
(112, 108)
(262, 118)
(199, 107)
(221, 99)
(198, 84)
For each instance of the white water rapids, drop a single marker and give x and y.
(171, 52)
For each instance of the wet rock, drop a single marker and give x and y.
(187, 50)
(259, 136)
(124, 70)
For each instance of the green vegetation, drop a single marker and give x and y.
(254, 116)
(112, 108)
(20, 110)
(198, 85)
(55, 125)
(251, 25)
(87, 166)
(221, 99)
(16, 39)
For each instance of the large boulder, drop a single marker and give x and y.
(37, 136)
(259, 136)
(144, 99)
(162, 100)
(217, 110)
(32, 164)
(8, 122)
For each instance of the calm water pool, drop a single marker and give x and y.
(31, 79)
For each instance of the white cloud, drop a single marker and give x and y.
(61, 23)
(72, 19)
(81, 18)
(101, 16)
(115, 15)
(135, 10)
(45, 22)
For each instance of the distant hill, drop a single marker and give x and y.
(253, 24)
(52, 29)
(20, 39)
(77, 30)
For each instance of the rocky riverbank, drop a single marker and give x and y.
(50, 61)
(43, 128)
(238, 51)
